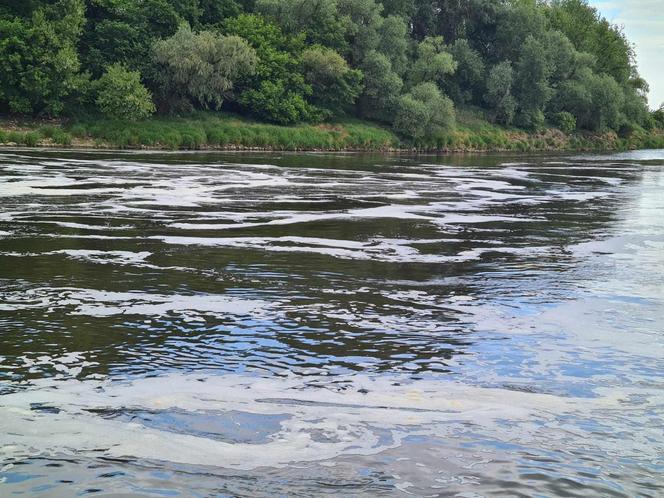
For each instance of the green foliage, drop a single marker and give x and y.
(565, 122)
(335, 85)
(272, 101)
(382, 88)
(125, 30)
(39, 65)
(215, 11)
(515, 22)
(202, 67)
(121, 95)
(319, 20)
(466, 84)
(433, 62)
(595, 100)
(277, 92)
(499, 93)
(517, 62)
(393, 43)
(658, 117)
(591, 33)
(363, 21)
(532, 85)
(423, 113)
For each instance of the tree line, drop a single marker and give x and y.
(406, 63)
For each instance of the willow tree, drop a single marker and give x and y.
(202, 67)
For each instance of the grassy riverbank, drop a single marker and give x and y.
(224, 131)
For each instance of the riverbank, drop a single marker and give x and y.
(217, 131)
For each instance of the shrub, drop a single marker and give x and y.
(61, 138)
(274, 102)
(565, 122)
(424, 113)
(31, 139)
(658, 117)
(121, 95)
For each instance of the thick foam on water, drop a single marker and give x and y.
(320, 418)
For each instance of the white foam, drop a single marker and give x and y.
(353, 419)
(91, 302)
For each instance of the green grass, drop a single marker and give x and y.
(212, 130)
(25, 138)
(474, 133)
(215, 130)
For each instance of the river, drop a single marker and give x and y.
(218, 324)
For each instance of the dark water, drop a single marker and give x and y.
(308, 325)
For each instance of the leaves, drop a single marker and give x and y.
(121, 95)
(203, 66)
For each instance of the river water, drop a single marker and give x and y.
(318, 324)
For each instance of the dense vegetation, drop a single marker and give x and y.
(408, 64)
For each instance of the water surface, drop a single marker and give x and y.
(302, 325)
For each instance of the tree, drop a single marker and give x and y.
(499, 93)
(363, 21)
(596, 100)
(658, 117)
(591, 33)
(635, 110)
(393, 43)
(401, 8)
(319, 20)
(278, 91)
(39, 65)
(433, 63)
(202, 67)
(288, 61)
(424, 18)
(423, 113)
(532, 87)
(273, 101)
(215, 11)
(467, 82)
(335, 85)
(516, 21)
(124, 31)
(121, 95)
(382, 88)
(109, 41)
(607, 103)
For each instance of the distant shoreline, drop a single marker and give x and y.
(222, 132)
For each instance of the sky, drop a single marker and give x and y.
(643, 21)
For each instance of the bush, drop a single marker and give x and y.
(565, 122)
(424, 113)
(274, 102)
(31, 139)
(61, 138)
(121, 95)
(658, 117)
(411, 118)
